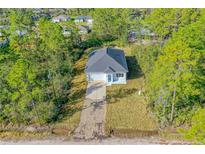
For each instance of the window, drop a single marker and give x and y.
(119, 75)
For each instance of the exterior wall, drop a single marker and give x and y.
(104, 77)
(90, 21)
(96, 77)
(56, 20)
(120, 80)
(78, 20)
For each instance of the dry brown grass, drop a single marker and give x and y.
(128, 112)
(16, 135)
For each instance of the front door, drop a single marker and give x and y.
(109, 78)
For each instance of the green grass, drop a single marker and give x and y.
(127, 112)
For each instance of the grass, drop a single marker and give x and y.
(127, 112)
(16, 135)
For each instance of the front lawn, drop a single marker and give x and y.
(127, 111)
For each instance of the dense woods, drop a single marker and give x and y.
(36, 67)
(174, 69)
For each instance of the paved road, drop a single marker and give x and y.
(93, 114)
(107, 141)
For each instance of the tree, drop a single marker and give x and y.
(166, 21)
(197, 130)
(111, 24)
(21, 25)
(175, 83)
(35, 72)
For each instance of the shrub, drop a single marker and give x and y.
(92, 42)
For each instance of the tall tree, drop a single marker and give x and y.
(175, 83)
(166, 21)
(111, 24)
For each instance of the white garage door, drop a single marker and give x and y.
(98, 77)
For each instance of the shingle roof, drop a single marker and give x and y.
(83, 28)
(83, 17)
(107, 60)
(61, 17)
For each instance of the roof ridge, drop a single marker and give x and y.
(98, 59)
(115, 59)
(116, 62)
(109, 67)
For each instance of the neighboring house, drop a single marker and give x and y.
(60, 18)
(86, 19)
(37, 10)
(3, 27)
(83, 29)
(3, 39)
(108, 65)
(67, 31)
(44, 15)
(21, 32)
(3, 42)
(134, 34)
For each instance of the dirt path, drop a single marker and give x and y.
(93, 114)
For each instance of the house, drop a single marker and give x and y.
(83, 29)
(66, 31)
(3, 39)
(21, 32)
(108, 65)
(60, 18)
(86, 19)
(141, 33)
(44, 15)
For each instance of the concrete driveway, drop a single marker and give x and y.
(93, 114)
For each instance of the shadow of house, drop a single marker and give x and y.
(134, 68)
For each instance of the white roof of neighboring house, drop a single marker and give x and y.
(85, 18)
(61, 17)
(21, 32)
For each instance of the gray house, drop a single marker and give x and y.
(60, 18)
(83, 29)
(108, 65)
(87, 19)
